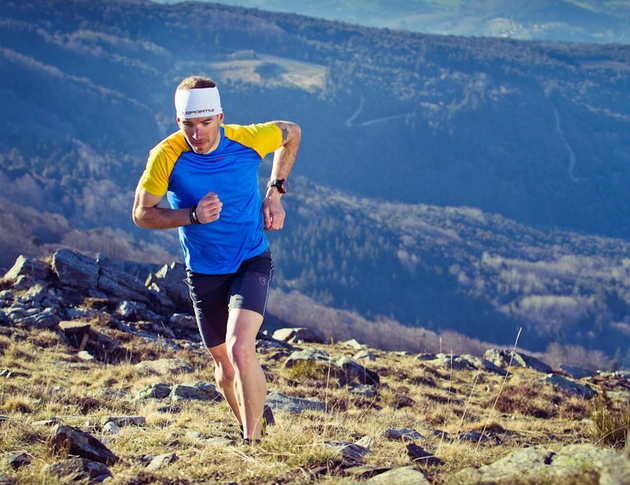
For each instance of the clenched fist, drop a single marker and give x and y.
(209, 208)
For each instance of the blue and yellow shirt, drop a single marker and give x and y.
(231, 172)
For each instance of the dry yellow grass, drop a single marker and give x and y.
(49, 381)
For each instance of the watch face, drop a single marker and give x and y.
(280, 184)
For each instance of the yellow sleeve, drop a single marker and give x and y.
(160, 164)
(264, 138)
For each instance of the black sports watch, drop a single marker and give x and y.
(281, 184)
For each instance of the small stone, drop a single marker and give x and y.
(281, 402)
(200, 391)
(351, 453)
(365, 390)
(366, 442)
(123, 421)
(398, 476)
(299, 334)
(17, 460)
(474, 436)
(420, 455)
(85, 355)
(571, 387)
(354, 344)
(187, 322)
(364, 355)
(577, 372)
(155, 391)
(111, 428)
(72, 441)
(404, 434)
(76, 470)
(161, 461)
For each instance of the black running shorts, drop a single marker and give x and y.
(213, 296)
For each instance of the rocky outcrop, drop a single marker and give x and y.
(505, 358)
(540, 464)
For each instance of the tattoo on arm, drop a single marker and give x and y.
(285, 134)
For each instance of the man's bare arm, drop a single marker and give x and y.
(147, 214)
(284, 157)
(283, 160)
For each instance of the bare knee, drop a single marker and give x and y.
(241, 353)
(224, 375)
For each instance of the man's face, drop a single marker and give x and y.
(203, 133)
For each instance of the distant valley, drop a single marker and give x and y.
(444, 182)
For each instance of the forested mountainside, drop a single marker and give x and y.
(411, 125)
(589, 21)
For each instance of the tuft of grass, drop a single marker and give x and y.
(611, 425)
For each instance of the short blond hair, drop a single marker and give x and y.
(196, 82)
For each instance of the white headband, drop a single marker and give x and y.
(196, 103)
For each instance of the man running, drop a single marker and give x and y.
(209, 173)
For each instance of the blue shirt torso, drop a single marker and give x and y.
(231, 172)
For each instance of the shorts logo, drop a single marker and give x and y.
(263, 280)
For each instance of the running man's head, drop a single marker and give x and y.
(199, 112)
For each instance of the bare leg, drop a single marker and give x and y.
(224, 376)
(249, 379)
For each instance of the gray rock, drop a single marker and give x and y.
(366, 442)
(165, 366)
(571, 387)
(540, 464)
(6, 296)
(35, 294)
(86, 356)
(403, 434)
(615, 471)
(77, 470)
(281, 402)
(351, 370)
(484, 364)
(422, 456)
(309, 355)
(16, 460)
(455, 362)
(351, 453)
(364, 355)
(425, 356)
(128, 309)
(75, 269)
(25, 266)
(299, 334)
(155, 391)
(354, 344)
(474, 436)
(120, 284)
(67, 440)
(168, 283)
(200, 391)
(111, 428)
(577, 372)
(186, 322)
(45, 319)
(398, 476)
(75, 327)
(502, 358)
(123, 421)
(362, 390)
(161, 461)
(513, 465)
